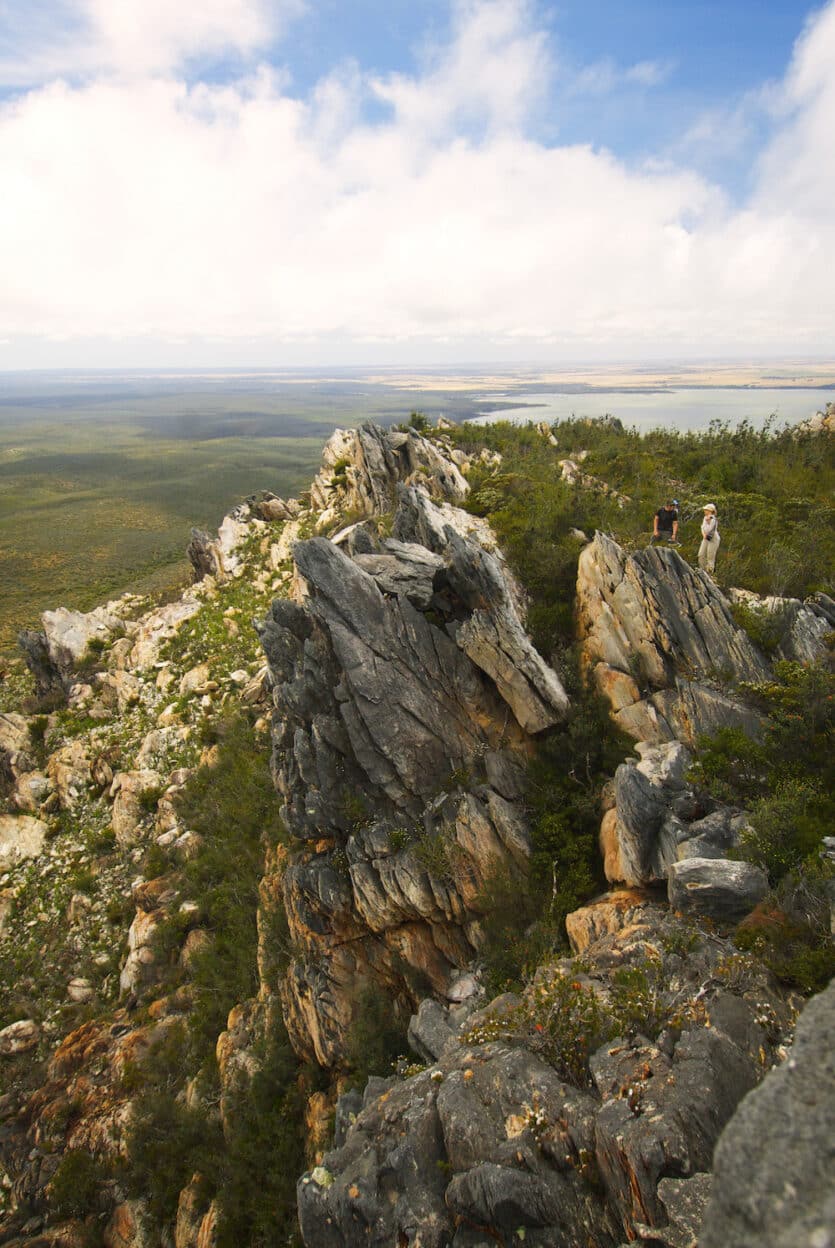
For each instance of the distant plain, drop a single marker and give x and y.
(103, 475)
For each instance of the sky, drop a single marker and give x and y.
(218, 183)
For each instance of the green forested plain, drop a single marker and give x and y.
(101, 480)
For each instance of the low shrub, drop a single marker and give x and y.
(76, 1185)
(263, 1156)
(765, 628)
(377, 1036)
(560, 1019)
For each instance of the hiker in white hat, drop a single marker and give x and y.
(710, 539)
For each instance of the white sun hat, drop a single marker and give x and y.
(709, 507)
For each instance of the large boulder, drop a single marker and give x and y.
(775, 1162)
(661, 643)
(68, 639)
(204, 555)
(714, 887)
(68, 770)
(135, 794)
(158, 627)
(21, 837)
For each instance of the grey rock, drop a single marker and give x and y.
(348, 1107)
(684, 1202)
(663, 1115)
(774, 1180)
(384, 1185)
(641, 841)
(722, 890)
(713, 836)
(204, 555)
(505, 1144)
(691, 709)
(384, 734)
(35, 650)
(403, 568)
(477, 589)
(504, 774)
(822, 603)
(371, 462)
(429, 1030)
(651, 616)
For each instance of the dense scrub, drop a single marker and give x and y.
(773, 491)
(784, 781)
(250, 1169)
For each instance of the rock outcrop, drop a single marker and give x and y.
(661, 644)
(821, 422)
(775, 1161)
(361, 469)
(494, 1142)
(406, 692)
(406, 699)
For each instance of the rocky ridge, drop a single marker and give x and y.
(403, 698)
(584, 1112)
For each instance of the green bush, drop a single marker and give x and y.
(769, 485)
(264, 1155)
(732, 766)
(794, 942)
(508, 947)
(377, 1036)
(785, 828)
(560, 1019)
(765, 628)
(233, 808)
(76, 1185)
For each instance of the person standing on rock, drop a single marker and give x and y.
(710, 539)
(665, 523)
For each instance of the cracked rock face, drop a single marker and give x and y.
(658, 639)
(405, 687)
(775, 1187)
(491, 1139)
(361, 469)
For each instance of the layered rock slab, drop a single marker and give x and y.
(661, 644)
(491, 1141)
(774, 1184)
(394, 741)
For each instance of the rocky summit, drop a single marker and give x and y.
(249, 834)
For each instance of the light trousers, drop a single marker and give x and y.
(707, 553)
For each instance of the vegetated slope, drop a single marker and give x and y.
(88, 510)
(398, 860)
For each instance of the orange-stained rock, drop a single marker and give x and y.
(191, 1209)
(318, 1117)
(207, 1236)
(604, 916)
(125, 1228)
(619, 688)
(610, 846)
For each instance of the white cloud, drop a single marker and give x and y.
(605, 76)
(139, 206)
(76, 38)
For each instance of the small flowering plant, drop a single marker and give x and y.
(560, 1019)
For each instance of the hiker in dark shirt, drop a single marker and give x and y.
(665, 523)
